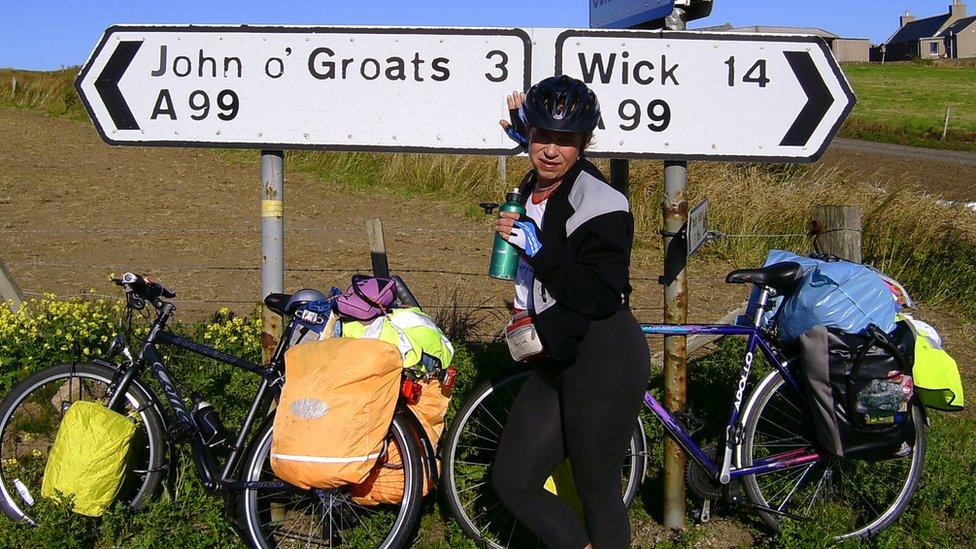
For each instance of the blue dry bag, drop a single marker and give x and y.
(837, 294)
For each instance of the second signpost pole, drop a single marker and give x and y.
(272, 244)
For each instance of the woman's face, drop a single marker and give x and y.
(553, 153)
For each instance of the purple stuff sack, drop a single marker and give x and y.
(367, 298)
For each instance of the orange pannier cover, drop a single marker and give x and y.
(385, 482)
(335, 411)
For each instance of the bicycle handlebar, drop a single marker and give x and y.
(144, 287)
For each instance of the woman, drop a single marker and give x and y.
(582, 400)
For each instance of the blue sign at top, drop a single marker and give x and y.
(625, 14)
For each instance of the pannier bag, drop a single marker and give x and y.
(859, 389)
(367, 298)
(936, 374)
(560, 483)
(87, 461)
(385, 481)
(335, 410)
(841, 295)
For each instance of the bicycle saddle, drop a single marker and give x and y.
(781, 276)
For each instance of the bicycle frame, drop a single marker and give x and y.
(267, 392)
(733, 430)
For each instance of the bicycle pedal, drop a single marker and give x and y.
(706, 511)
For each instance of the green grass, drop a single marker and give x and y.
(906, 103)
(50, 92)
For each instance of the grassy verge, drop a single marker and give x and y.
(906, 103)
(49, 92)
(942, 513)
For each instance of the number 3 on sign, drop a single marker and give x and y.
(755, 75)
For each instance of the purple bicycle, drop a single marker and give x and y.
(769, 446)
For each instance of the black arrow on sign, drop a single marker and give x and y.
(107, 85)
(818, 95)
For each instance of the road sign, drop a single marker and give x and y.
(697, 226)
(709, 96)
(340, 88)
(623, 14)
(675, 95)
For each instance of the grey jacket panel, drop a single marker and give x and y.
(592, 198)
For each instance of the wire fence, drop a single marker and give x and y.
(338, 270)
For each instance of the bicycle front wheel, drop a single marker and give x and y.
(289, 517)
(848, 498)
(468, 454)
(29, 419)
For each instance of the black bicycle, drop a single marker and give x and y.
(272, 512)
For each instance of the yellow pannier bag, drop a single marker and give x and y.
(561, 484)
(88, 459)
(385, 482)
(335, 410)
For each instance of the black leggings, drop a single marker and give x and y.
(586, 412)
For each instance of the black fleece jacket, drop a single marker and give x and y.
(582, 271)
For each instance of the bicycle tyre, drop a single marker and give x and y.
(28, 424)
(780, 413)
(507, 386)
(288, 505)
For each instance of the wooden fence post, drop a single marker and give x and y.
(9, 290)
(840, 231)
(377, 247)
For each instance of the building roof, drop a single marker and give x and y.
(919, 28)
(765, 29)
(761, 29)
(958, 26)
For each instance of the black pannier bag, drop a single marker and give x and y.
(859, 389)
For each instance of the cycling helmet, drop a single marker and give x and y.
(561, 103)
(303, 297)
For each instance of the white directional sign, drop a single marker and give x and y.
(677, 95)
(351, 88)
(709, 96)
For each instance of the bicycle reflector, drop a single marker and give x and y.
(411, 391)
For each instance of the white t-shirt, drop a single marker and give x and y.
(523, 277)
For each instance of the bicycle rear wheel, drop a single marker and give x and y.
(290, 517)
(29, 419)
(468, 454)
(849, 498)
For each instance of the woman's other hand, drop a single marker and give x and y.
(515, 127)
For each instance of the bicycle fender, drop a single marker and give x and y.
(153, 400)
(747, 409)
(430, 457)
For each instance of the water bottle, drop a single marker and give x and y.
(880, 400)
(208, 422)
(504, 256)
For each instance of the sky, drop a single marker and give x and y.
(47, 35)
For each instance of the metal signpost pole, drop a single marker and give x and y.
(272, 243)
(675, 211)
